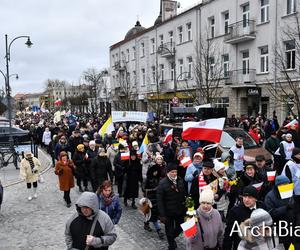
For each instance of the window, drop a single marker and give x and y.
(226, 65)
(180, 62)
(142, 49)
(245, 62)
(162, 72)
(161, 38)
(189, 31)
(134, 77)
(128, 55)
(264, 59)
(246, 17)
(152, 45)
(143, 77)
(190, 66)
(172, 71)
(171, 39)
(211, 67)
(264, 11)
(113, 59)
(122, 56)
(212, 27)
(290, 53)
(134, 53)
(153, 74)
(291, 6)
(180, 35)
(226, 23)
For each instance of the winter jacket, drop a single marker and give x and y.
(59, 147)
(111, 154)
(170, 201)
(236, 215)
(230, 172)
(113, 209)
(192, 171)
(292, 171)
(101, 169)
(213, 231)
(78, 226)
(80, 161)
(73, 143)
(27, 173)
(168, 153)
(46, 138)
(272, 144)
(120, 166)
(133, 177)
(65, 174)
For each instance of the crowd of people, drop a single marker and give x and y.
(225, 192)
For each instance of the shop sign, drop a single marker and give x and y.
(253, 91)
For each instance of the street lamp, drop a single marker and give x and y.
(8, 96)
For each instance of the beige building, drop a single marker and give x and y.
(225, 46)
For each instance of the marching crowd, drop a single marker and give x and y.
(230, 197)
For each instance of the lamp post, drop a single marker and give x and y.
(8, 95)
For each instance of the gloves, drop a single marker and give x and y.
(195, 173)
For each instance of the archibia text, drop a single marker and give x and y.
(281, 229)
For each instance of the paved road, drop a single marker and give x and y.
(39, 224)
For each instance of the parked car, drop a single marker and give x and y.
(227, 141)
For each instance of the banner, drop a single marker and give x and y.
(129, 116)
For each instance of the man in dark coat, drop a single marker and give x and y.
(74, 141)
(238, 214)
(1, 194)
(170, 202)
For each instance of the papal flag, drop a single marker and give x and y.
(144, 144)
(286, 191)
(107, 127)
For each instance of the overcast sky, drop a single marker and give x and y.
(68, 36)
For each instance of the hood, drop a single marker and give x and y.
(246, 232)
(224, 156)
(88, 199)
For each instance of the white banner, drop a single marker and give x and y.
(129, 116)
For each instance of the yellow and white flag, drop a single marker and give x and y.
(107, 127)
(286, 191)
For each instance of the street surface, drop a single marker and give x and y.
(39, 224)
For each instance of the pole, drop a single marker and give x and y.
(10, 138)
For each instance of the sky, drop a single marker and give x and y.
(68, 36)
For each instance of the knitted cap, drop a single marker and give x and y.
(198, 154)
(218, 165)
(260, 217)
(171, 166)
(281, 179)
(207, 195)
(250, 191)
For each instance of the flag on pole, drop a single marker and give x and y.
(144, 144)
(258, 186)
(125, 156)
(293, 122)
(186, 161)
(286, 191)
(169, 136)
(271, 175)
(292, 247)
(107, 127)
(189, 228)
(208, 130)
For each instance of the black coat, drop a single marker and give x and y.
(170, 199)
(73, 143)
(81, 169)
(239, 214)
(133, 177)
(120, 165)
(101, 169)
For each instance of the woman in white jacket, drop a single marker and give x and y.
(46, 138)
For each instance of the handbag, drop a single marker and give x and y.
(92, 229)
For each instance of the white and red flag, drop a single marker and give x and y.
(189, 228)
(186, 161)
(202, 183)
(208, 130)
(169, 136)
(293, 122)
(125, 156)
(271, 175)
(258, 186)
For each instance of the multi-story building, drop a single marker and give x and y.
(219, 51)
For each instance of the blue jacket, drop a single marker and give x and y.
(189, 173)
(114, 209)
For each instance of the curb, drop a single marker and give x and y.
(43, 172)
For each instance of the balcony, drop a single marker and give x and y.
(119, 66)
(241, 77)
(164, 86)
(240, 32)
(167, 50)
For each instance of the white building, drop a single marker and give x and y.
(164, 60)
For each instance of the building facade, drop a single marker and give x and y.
(233, 54)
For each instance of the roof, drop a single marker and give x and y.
(135, 30)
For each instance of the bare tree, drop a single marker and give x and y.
(208, 70)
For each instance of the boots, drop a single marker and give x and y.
(133, 204)
(125, 202)
(80, 189)
(29, 194)
(35, 193)
(160, 234)
(86, 189)
(147, 227)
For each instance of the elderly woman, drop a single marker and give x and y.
(210, 228)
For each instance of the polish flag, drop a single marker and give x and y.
(293, 122)
(202, 183)
(258, 186)
(271, 175)
(286, 191)
(208, 130)
(125, 156)
(189, 228)
(169, 136)
(186, 161)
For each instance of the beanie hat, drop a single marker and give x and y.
(158, 156)
(198, 154)
(296, 151)
(92, 142)
(208, 164)
(80, 147)
(250, 191)
(207, 195)
(260, 217)
(134, 143)
(171, 166)
(218, 165)
(281, 179)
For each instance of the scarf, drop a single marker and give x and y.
(202, 182)
(173, 180)
(107, 200)
(30, 160)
